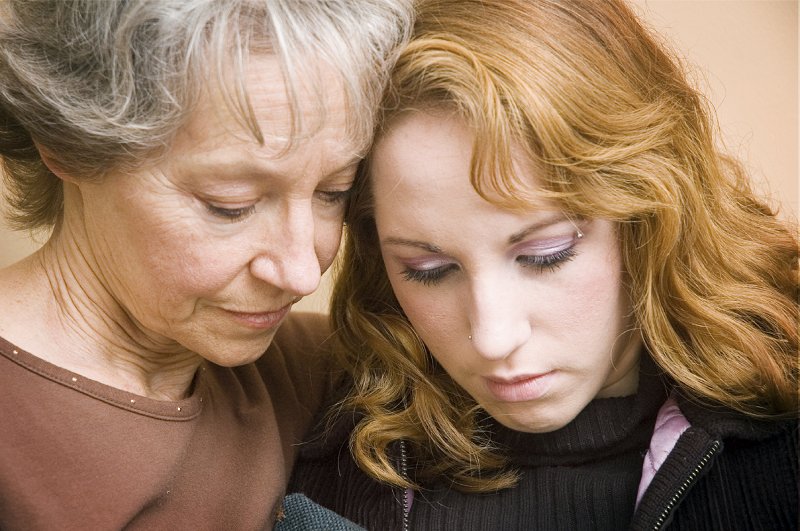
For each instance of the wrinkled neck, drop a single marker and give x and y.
(66, 314)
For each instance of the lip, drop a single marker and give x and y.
(520, 388)
(260, 320)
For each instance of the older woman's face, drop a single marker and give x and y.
(525, 310)
(209, 247)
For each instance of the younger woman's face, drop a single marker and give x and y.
(525, 310)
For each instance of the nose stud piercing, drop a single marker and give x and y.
(469, 337)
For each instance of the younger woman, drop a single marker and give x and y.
(560, 305)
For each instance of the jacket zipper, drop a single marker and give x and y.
(404, 473)
(690, 479)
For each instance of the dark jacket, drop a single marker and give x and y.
(725, 471)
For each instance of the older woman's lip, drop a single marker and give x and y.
(261, 320)
(521, 388)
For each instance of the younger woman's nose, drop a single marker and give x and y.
(498, 324)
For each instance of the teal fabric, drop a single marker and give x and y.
(302, 514)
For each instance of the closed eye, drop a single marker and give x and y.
(429, 277)
(548, 262)
(230, 214)
(334, 197)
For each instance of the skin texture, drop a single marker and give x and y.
(546, 309)
(200, 255)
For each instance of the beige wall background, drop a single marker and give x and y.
(746, 58)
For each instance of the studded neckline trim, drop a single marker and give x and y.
(179, 410)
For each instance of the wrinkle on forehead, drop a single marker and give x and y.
(271, 112)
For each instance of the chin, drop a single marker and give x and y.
(235, 359)
(235, 353)
(529, 427)
(530, 422)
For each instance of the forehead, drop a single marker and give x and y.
(286, 115)
(431, 152)
(419, 150)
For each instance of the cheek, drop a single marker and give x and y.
(435, 319)
(180, 262)
(415, 306)
(601, 303)
(188, 270)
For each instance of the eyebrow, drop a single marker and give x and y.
(524, 233)
(355, 161)
(512, 240)
(413, 243)
(236, 169)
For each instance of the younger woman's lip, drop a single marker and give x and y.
(520, 388)
(261, 320)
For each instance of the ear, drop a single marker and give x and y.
(53, 165)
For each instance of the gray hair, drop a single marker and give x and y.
(106, 84)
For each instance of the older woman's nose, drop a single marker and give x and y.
(289, 260)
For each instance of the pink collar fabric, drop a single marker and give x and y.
(670, 425)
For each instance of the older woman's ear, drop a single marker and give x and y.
(53, 165)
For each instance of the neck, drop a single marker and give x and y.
(71, 319)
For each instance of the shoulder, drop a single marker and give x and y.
(746, 469)
(327, 473)
(751, 483)
(298, 366)
(303, 345)
(308, 322)
(726, 424)
(748, 445)
(303, 332)
(330, 434)
(753, 478)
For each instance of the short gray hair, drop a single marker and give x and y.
(106, 84)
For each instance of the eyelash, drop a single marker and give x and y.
(230, 214)
(335, 197)
(428, 277)
(549, 262)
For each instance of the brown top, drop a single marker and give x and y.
(78, 454)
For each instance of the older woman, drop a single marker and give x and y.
(192, 160)
(561, 306)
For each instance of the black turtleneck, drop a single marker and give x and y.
(583, 476)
